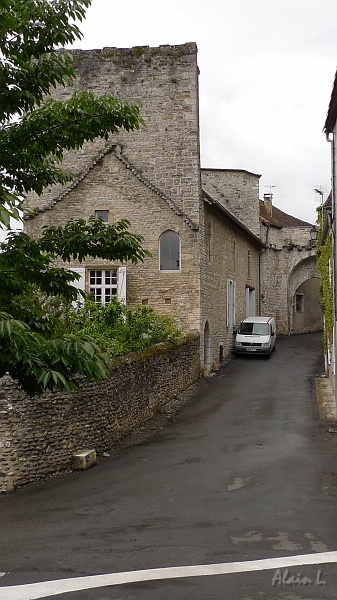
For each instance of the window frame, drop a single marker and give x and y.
(300, 303)
(110, 215)
(103, 285)
(161, 237)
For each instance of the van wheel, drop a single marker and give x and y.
(268, 355)
(273, 350)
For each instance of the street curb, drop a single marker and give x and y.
(325, 398)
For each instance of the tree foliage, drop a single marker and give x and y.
(324, 262)
(119, 330)
(36, 346)
(35, 130)
(40, 129)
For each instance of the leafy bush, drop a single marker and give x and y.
(118, 330)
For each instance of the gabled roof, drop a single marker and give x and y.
(277, 218)
(220, 208)
(91, 165)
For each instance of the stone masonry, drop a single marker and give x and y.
(152, 177)
(39, 435)
(287, 263)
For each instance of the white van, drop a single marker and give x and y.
(256, 335)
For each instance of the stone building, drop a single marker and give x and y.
(290, 288)
(202, 226)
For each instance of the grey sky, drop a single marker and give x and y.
(266, 74)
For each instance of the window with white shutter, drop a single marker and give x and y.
(102, 284)
(121, 288)
(79, 283)
(231, 303)
(105, 284)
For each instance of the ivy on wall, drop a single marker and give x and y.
(324, 261)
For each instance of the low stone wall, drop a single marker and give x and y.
(39, 435)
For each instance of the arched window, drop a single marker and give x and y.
(169, 251)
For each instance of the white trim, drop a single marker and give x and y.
(231, 303)
(121, 284)
(79, 284)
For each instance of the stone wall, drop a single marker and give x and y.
(39, 435)
(310, 317)
(287, 263)
(165, 150)
(150, 177)
(230, 253)
(237, 191)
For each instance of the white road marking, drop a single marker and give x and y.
(44, 589)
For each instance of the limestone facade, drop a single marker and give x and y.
(152, 178)
(231, 263)
(289, 272)
(236, 190)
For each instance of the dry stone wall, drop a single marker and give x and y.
(39, 435)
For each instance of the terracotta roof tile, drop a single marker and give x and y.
(278, 218)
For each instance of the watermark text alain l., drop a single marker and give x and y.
(285, 577)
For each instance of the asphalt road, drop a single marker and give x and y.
(245, 472)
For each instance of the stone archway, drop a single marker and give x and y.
(304, 309)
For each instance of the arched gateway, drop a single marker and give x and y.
(290, 289)
(305, 313)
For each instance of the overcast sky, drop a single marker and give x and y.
(266, 75)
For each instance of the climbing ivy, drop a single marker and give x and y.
(324, 266)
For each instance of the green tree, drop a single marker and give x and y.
(37, 349)
(34, 133)
(324, 261)
(30, 33)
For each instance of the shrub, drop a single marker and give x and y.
(118, 329)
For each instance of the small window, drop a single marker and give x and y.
(103, 215)
(299, 303)
(169, 251)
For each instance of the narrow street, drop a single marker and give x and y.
(245, 472)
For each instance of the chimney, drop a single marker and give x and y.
(268, 203)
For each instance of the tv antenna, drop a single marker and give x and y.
(270, 187)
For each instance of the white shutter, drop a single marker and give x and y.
(228, 301)
(231, 303)
(79, 284)
(121, 285)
